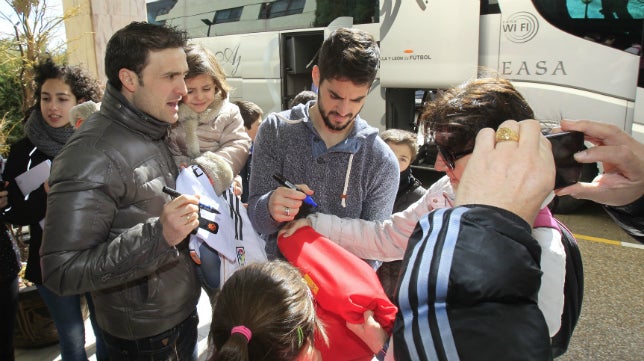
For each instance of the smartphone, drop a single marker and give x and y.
(564, 146)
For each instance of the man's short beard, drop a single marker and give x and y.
(328, 123)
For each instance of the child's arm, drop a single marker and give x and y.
(234, 143)
(379, 240)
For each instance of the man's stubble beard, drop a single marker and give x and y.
(328, 123)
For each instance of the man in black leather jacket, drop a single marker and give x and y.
(621, 187)
(108, 228)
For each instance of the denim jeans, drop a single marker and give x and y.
(176, 344)
(209, 270)
(66, 312)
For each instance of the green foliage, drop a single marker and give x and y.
(11, 98)
(34, 27)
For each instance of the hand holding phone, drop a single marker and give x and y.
(564, 147)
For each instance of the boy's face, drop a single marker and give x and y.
(252, 132)
(403, 154)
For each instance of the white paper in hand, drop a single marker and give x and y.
(34, 177)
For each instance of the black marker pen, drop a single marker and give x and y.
(286, 183)
(175, 194)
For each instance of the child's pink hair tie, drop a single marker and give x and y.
(243, 330)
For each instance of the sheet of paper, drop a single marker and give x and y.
(34, 177)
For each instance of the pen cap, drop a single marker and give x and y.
(280, 178)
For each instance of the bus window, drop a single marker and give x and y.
(614, 23)
(606, 9)
(490, 7)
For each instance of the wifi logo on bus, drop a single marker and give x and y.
(520, 27)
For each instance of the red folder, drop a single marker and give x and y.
(344, 287)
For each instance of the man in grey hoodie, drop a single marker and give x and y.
(325, 146)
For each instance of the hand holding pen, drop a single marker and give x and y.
(286, 183)
(284, 205)
(179, 218)
(175, 194)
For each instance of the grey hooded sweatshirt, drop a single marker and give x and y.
(356, 178)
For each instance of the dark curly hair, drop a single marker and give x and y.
(84, 86)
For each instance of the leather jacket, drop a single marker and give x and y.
(102, 232)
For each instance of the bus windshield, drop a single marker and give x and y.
(614, 23)
(605, 9)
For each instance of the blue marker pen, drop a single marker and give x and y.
(286, 183)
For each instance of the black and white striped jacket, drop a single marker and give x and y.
(469, 289)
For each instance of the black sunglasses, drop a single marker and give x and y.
(451, 157)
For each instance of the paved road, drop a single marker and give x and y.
(611, 326)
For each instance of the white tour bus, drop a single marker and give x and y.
(567, 63)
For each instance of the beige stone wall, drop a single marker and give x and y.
(88, 32)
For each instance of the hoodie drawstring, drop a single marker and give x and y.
(346, 182)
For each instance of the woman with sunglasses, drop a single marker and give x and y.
(454, 120)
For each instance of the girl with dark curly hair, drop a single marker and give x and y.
(57, 89)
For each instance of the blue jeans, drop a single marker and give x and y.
(176, 344)
(210, 268)
(66, 312)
